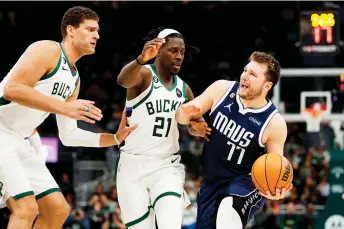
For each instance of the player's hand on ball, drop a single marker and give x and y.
(151, 49)
(201, 128)
(280, 194)
(83, 110)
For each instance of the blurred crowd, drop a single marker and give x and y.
(226, 33)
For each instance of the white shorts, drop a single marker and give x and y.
(142, 181)
(22, 170)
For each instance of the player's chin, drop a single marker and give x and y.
(90, 51)
(174, 69)
(243, 95)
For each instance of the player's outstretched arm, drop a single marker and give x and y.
(71, 135)
(197, 127)
(275, 136)
(38, 59)
(194, 109)
(133, 74)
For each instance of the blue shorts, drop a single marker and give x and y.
(246, 200)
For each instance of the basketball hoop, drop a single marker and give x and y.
(313, 116)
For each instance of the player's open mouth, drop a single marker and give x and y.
(242, 86)
(176, 65)
(93, 44)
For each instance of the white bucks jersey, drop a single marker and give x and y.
(154, 111)
(59, 84)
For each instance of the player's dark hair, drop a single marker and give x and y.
(274, 69)
(75, 16)
(189, 50)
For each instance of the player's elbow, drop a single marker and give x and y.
(11, 92)
(124, 81)
(65, 140)
(121, 80)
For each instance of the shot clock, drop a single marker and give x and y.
(319, 32)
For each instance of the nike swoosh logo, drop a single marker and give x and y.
(156, 87)
(174, 160)
(64, 68)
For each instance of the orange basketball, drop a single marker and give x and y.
(271, 171)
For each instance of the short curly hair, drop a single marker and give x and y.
(273, 73)
(75, 16)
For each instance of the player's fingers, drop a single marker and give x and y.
(206, 138)
(92, 107)
(291, 186)
(150, 47)
(278, 192)
(90, 115)
(96, 113)
(154, 43)
(268, 194)
(131, 128)
(161, 40)
(85, 119)
(283, 192)
(262, 194)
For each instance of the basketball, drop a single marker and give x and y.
(270, 172)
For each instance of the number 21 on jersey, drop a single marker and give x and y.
(159, 129)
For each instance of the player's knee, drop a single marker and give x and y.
(169, 212)
(59, 211)
(62, 210)
(25, 209)
(54, 208)
(228, 215)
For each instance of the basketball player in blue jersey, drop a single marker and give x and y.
(45, 80)
(245, 125)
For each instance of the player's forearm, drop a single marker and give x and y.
(107, 140)
(128, 77)
(82, 138)
(29, 97)
(182, 119)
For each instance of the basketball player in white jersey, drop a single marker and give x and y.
(150, 177)
(45, 80)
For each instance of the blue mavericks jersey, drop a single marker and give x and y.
(236, 137)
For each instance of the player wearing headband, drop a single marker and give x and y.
(150, 177)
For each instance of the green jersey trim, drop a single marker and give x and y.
(69, 65)
(184, 92)
(144, 98)
(51, 74)
(162, 82)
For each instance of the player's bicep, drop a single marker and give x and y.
(277, 135)
(39, 58)
(212, 95)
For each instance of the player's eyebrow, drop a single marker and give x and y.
(251, 71)
(93, 27)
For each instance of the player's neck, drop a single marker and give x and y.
(254, 103)
(164, 73)
(72, 54)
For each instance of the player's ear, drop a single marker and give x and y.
(71, 30)
(268, 86)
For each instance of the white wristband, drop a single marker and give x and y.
(115, 137)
